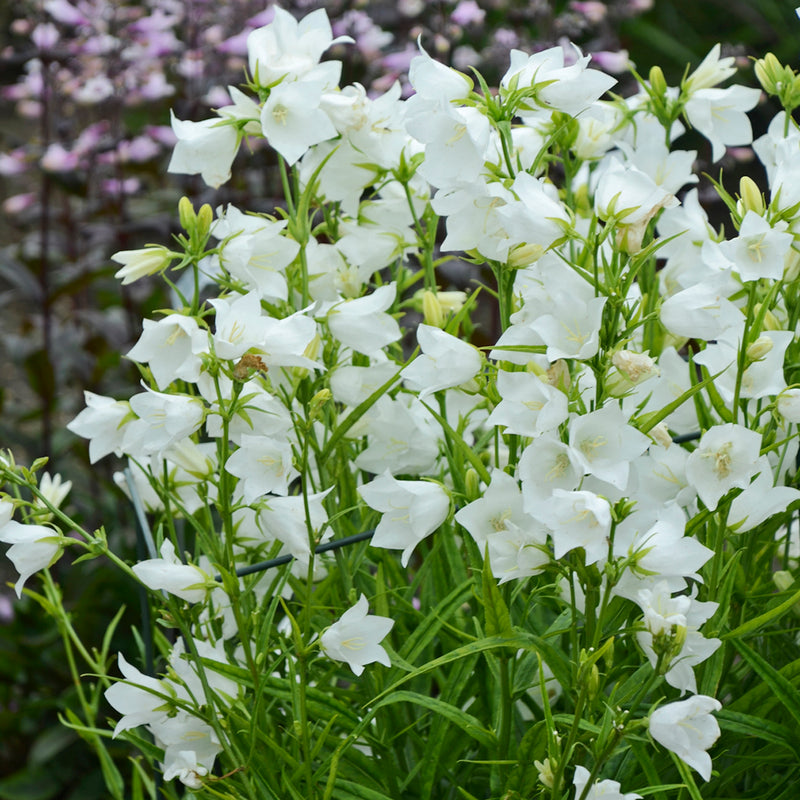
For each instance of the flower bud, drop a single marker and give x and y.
(452, 302)
(432, 310)
(558, 375)
(770, 321)
(758, 349)
(472, 485)
(788, 405)
(791, 268)
(783, 580)
(769, 72)
(660, 434)
(204, 219)
(186, 214)
(658, 83)
(139, 263)
(545, 772)
(636, 367)
(317, 402)
(779, 81)
(523, 255)
(751, 198)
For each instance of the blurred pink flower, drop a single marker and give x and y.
(467, 12)
(45, 35)
(18, 203)
(57, 159)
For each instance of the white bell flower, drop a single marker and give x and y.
(445, 362)
(172, 575)
(355, 638)
(727, 457)
(33, 547)
(688, 729)
(412, 510)
(207, 147)
(719, 114)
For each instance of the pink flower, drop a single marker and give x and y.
(467, 12)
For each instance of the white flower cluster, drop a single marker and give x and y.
(557, 450)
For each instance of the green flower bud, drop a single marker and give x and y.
(758, 349)
(432, 310)
(658, 83)
(205, 216)
(317, 402)
(750, 196)
(186, 214)
(472, 485)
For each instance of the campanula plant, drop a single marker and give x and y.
(559, 577)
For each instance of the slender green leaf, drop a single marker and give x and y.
(786, 692)
(497, 619)
(757, 727)
(466, 722)
(764, 619)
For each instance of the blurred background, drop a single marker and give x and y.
(86, 87)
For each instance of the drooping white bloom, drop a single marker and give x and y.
(363, 324)
(688, 729)
(352, 385)
(726, 457)
(763, 377)
(356, 636)
(788, 404)
(577, 519)
(240, 324)
(445, 362)
(207, 147)
(411, 511)
(171, 347)
(661, 550)
(760, 500)
(190, 748)
(719, 114)
(604, 444)
(681, 616)
(140, 699)
(530, 406)
(264, 465)
(547, 464)
(256, 252)
(702, 311)
(472, 218)
(33, 547)
(172, 575)
(536, 218)
(572, 328)
(759, 249)
(517, 542)
(163, 419)
(292, 120)
(401, 437)
(285, 519)
(570, 89)
(607, 790)
(630, 198)
(102, 423)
